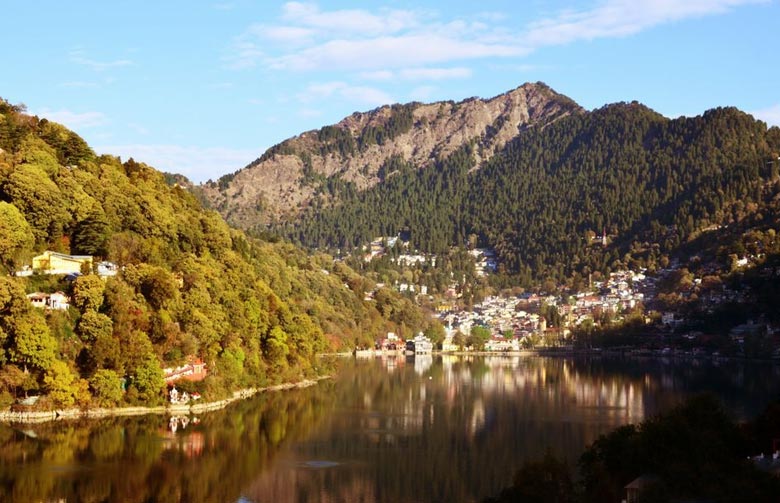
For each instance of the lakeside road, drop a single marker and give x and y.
(7, 416)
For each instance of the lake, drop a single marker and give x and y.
(392, 429)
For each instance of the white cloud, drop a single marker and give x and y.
(284, 34)
(354, 94)
(620, 18)
(770, 115)
(350, 20)
(80, 58)
(391, 52)
(378, 75)
(381, 40)
(417, 74)
(74, 120)
(307, 38)
(245, 54)
(435, 73)
(196, 163)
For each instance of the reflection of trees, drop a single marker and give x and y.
(457, 432)
(137, 459)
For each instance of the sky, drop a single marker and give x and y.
(202, 88)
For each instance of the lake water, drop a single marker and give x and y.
(403, 429)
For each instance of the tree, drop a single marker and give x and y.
(479, 336)
(149, 381)
(93, 326)
(90, 236)
(39, 198)
(16, 236)
(63, 385)
(157, 286)
(88, 292)
(435, 332)
(14, 379)
(33, 344)
(106, 387)
(545, 481)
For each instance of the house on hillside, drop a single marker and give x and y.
(194, 370)
(50, 262)
(56, 301)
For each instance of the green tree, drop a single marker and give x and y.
(93, 326)
(435, 332)
(106, 387)
(62, 384)
(40, 200)
(16, 237)
(478, 337)
(32, 343)
(90, 236)
(87, 292)
(148, 380)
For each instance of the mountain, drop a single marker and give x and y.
(349, 156)
(188, 285)
(558, 192)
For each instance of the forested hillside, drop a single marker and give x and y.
(188, 285)
(549, 200)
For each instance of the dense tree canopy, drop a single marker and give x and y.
(547, 202)
(188, 285)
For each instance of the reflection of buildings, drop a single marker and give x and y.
(611, 395)
(422, 363)
(191, 443)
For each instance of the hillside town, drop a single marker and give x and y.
(664, 309)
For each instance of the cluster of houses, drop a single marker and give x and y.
(392, 344)
(70, 266)
(517, 322)
(621, 292)
(501, 316)
(50, 262)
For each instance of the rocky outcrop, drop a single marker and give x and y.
(276, 186)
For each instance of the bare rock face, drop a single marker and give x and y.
(275, 186)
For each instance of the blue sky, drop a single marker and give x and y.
(203, 88)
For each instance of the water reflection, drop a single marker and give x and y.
(390, 429)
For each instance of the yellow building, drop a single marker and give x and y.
(50, 262)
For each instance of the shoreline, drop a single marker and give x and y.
(36, 417)
(570, 352)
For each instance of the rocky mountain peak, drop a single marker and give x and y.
(279, 184)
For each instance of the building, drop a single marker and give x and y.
(56, 301)
(193, 370)
(502, 344)
(419, 345)
(50, 262)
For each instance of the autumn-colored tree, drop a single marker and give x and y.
(106, 387)
(16, 237)
(87, 292)
(63, 385)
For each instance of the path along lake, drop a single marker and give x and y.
(391, 429)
